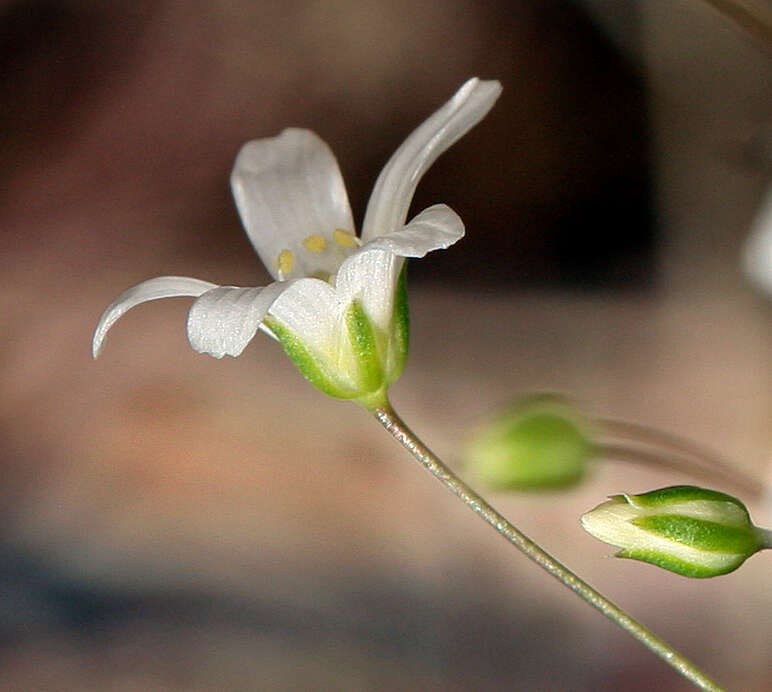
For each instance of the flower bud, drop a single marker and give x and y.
(538, 442)
(687, 530)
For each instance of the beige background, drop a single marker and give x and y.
(172, 522)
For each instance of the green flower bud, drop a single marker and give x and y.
(687, 530)
(536, 443)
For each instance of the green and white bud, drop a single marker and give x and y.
(688, 530)
(539, 442)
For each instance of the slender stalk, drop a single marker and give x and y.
(754, 17)
(698, 459)
(646, 457)
(387, 417)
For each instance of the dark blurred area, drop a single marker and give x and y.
(171, 522)
(114, 101)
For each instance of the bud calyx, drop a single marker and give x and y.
(688, 530)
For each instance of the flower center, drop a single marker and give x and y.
(315, 243)
(284, 263)
(344, 238)
(316, 255)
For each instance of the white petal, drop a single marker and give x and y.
(757, 253)
(370, 276)
(435, 228)
(153, 289)
(312, 311)
(394, 189)
(288, 188)
(224, 320)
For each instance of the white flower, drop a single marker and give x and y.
(336, 304)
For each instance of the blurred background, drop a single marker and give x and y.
(173, 522)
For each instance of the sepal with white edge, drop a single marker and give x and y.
(691, 531)
(355, 355)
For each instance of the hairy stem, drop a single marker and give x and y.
(387, 417)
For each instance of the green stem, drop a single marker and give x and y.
(675, 452)
(634, 455)
(387, 417)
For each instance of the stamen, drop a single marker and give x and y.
(284, 264)
(314, 243)
(344, 238)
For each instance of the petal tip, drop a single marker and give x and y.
(152, 289)
(489, 88)
(108, 319)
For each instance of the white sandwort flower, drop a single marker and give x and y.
(337, 304)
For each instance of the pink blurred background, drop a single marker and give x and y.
(171, 522)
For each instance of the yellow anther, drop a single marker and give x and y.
(314, 243)
(344, 238)
(284, 263)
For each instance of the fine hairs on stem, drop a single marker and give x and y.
(388, 418)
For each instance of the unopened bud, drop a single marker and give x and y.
(688, 530)
(538, 442)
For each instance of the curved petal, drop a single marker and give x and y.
(225, 319)
(311, 310)
(153, 289)
(287, 189)
(435, 228)
(370, 276)
(394, 189)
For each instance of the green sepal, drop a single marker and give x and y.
(694, 532)
(309, 366)
(702, 534)
(676, 494)
(365, 349)
(400, 329)
(682, 567)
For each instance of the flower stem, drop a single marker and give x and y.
(634, 455)
(388, 418)
(755, 20)
(671, 451)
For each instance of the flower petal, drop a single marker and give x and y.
(225, 319)
(370, 276)
(394, 189)
(312, 311)
(757, 253)
(289, 189)
(435, 228)
(153, 289)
